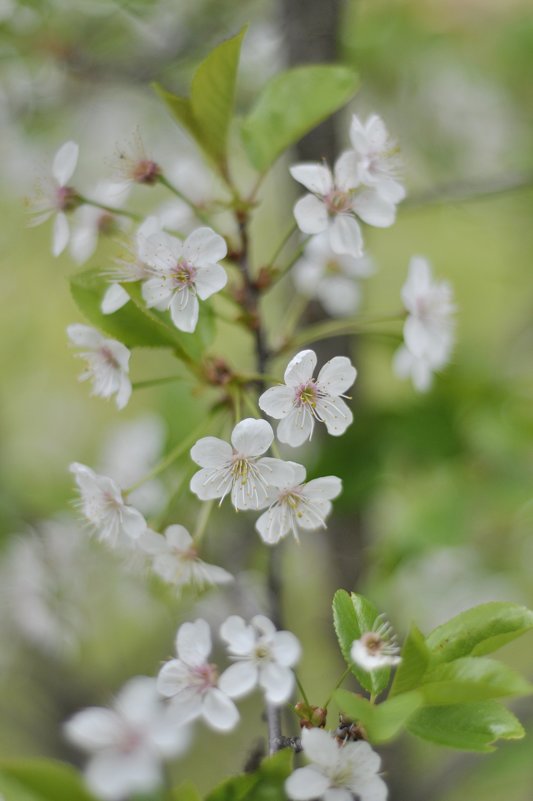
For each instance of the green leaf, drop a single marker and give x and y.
(266, 784)
(290, 105)
(470, 727)
(41, 780)
(353, 616)
(382, 721)
(134, 324)
(471, 679)
(415, 659)
(207, 114)
(186, 791)
(479, 631)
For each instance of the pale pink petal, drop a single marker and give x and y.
(152, 543)
(239, 679)
(252, 437)
(312, 517)
(339, 296)
(273, 525)
(339, 794)
(277, 401)
(300, 368)
(114, 776)
(64, 163)
(311, 215)
(337, 375)
(345, 235)
(316, 178)
(83, 242)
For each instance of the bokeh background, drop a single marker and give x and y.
(436, 514)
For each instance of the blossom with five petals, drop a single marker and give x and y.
(128, 742)
(376, 648)
(297, 505)
(182, 272)
(239, 468)
(263, 656)
(304, 399)
(374, 158)
(337, 772)
(191, 682)
(116, 522)
(175, 559)
(107, 363)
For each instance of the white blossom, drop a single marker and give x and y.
(90, 221)
(131, 164)
(127, 742)
(429, 327)
(337, 772)
(54, 196)
(107, 363)
(263, 657)
(330, 278)
(191, 682)
(182, 272)
(175, 559)
(376, 648)
(297, 505)
(115, 522)
(374, 158)
(304, 399)
(239, 468)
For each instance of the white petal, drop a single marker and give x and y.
(239, 679)
(306, 783)
(94, 728)
(276, 472)
(156, 292)
(296, 428)
(152, 543)
(277, 401)
(320, 747)
(162, 251)
(361, 757)
(273, 525)
(114, 299)
(324, 488)
(346, 171)
(173, 678)
(178, 537)
(312, 516)
(209, 279)
(374, 210)
(209, 483)
(373, 789)
(60, 234)
(335, 414)
(124, 393)
(252, 437)
(337, 794)
(83, 242)
(277, 681)
(219, 711)
(315, 177)
(133, 522)
(115, 776)
(300, 368)
(311, 215)
(337, 375)
(286, 648)
(239, 636)
(84, 336)
(340, 296)
(345, 235)
(185, 316)
(204, 246)
(307, 274)
(211, 452)
(64, 163)
(193, 642)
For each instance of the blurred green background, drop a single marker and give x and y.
(436, 512)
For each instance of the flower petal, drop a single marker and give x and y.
(300, 368)
(315, 177)
(219, 711)
(178, 537)
(324, 488)
(94, 728)
(296, 428)
(210, 483)
(60, 234)
(286, 648)
(64, 163)
(335, 414)
(337, 375)
(345, 235)
(277, 682)
(238, 634)
(185, 315)
(239, 679)
(193, 642)
(374, 210)
(211, 452)
(204, 246)
(114, 299)
(156, 292)
(252, 437)
(84, 336)
(210, 278)
(277, 401)
(311, 215)
(306, 783)
(320, 747)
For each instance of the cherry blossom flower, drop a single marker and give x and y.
(90, 222)
(297, 505)
(115, 522)
(132, 165)
(337, 772)
(374, 158)
(127, 742)
(263, 657)
(331, 278)
(304, 399)
(376, 648)
(191, 682)
(183, 272)
(54, 196)
(175, 559)
(107, 363)
(429, 327)
(239, 468)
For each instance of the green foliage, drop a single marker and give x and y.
(206, 115)
(415, 659)
(479, 631)
(470, 727)
(41, 780)
(186, 791)
(353, 615)
(381, 721)
(266, 784)
(134, 324)
(471, 679)
(290, 105)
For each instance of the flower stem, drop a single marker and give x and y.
(288, 234)
(111, 209)
(302, 691)
(195, 208)
(203, 519)
(340, 681)
(334, 328)
(155, 382)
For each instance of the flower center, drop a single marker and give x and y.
(337, 201)
(66, 198)
(184, 274)
(145, 171)
(262, 652)
(306, 394)
(108, 358)
(372, 642)
(332, 268)
(240, 468)
(203, 677)
(106, 224)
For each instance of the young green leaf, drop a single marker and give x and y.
(471, 679)
(415, 660)
(266, 784)
(470, 727)
(382, 721)
(479, 631)
(206, 115)
(186, 791)
(41, 780)
(290, 105)
(352, 616)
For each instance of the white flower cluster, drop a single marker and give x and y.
(150, 719)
